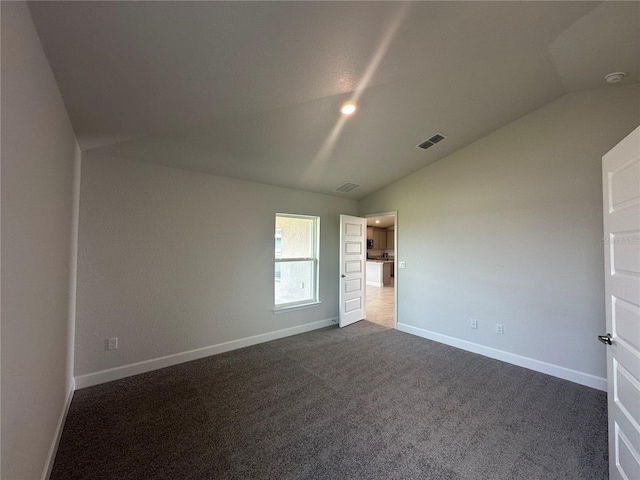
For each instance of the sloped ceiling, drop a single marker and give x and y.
(251, 90)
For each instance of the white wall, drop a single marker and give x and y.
(171, 261)
(509, 230)
(39, 152)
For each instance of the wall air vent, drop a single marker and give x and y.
(430, 142)
(346, 187)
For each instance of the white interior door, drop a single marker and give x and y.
(621, 187)
(353, 262)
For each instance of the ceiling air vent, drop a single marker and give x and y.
(346, 187)
(430, 142)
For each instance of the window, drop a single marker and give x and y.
(296, 260)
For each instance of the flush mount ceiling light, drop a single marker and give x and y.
(377, 221)
(615, 77)
(347, 108)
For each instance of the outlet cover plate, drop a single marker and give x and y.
(112, 343)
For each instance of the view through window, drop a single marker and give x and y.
(296, 260)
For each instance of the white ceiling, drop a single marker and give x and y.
(251, 90)
(384, 221)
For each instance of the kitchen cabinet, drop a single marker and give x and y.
(390, 239)
(369, 233)
(379, 239)
(379, 273)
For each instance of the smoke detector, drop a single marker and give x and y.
(615, 77)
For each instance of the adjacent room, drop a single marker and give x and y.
(380, 270)
(318, 240)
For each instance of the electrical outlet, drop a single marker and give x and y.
(402, 265)
(499, 329)
(474, 323)
(112, 343)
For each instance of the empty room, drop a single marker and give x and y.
(194, 281)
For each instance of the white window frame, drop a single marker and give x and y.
(315, 259)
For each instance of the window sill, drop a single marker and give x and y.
(290, 308)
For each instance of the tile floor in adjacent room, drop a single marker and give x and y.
(380, 304)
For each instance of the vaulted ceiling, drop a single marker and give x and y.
(251, 90)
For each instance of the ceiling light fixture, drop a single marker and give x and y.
(615, 77)
(377, 221)
(348, 108)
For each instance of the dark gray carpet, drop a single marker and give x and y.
(362, 402)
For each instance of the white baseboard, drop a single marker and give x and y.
(124, 371)
(575, 376)
(48, 465)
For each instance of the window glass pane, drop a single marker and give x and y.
(277, 275)
(278, 242)
(296, 237)
(294, 281)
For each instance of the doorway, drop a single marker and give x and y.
(381, 269)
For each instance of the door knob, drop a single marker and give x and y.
(606, 339)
